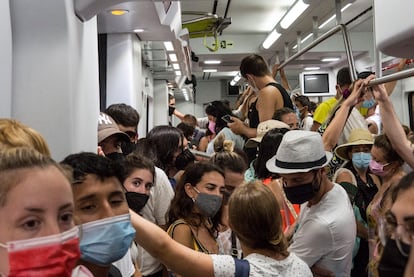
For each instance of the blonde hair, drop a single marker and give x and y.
(225, 157)
(254, 216)
(14, 160)
(221, 144)
(13, 133)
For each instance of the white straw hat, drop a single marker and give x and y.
(299, 151)
(262, 129)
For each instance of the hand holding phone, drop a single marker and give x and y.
(227, 118)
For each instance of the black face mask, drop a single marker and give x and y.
(115, 156)
(171, 110)
(136, 201)
(127, 147)
(302, 193)
(184, 159)
(392, 262)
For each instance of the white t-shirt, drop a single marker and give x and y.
(155, 210)
(376, 118)
(306, 123)
(326, 233)
(262, 266)
(125, 265)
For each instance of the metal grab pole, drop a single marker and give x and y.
(323, 37)
(392, 77)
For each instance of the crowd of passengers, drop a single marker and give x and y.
(275, 186)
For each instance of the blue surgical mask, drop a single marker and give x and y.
(368, 103)
(106, 240)
(361, 160)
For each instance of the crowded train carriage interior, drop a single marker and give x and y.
(206, 138)
(64, 63)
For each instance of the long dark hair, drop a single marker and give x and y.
(218, 109)
(267, 149)
(165, 140)
(182, 205)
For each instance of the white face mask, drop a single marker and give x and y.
(253, 86)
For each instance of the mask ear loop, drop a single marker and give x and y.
(399, 246)
(80, 232)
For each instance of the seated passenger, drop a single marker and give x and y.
(102, 211)
(37, 234)
(252, 218)
(326, 225)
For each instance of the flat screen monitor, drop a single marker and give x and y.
(317, 84)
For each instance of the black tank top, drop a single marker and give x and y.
(253, 114)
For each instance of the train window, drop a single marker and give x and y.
(233, 90)
(411, 109)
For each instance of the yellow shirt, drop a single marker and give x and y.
(323, 110)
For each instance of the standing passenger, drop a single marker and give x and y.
(322, 112)
(197, 200)
(102, 211)
(127, 119)
(304, 106)
(326, 226)
(252, 217)
(37, 234)
(167, 143)
(160, 195)
(357, 153)
(13, 133)
(155, 209)
(399, 230)
(271, 96)
(386, 164)
(233, 165)
(110, 138)
(288, 116)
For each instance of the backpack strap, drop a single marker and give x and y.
(242, 268)
(234, 250)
